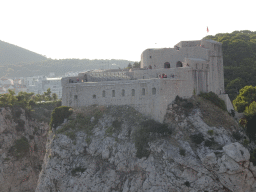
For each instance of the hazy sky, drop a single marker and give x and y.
(116, 29)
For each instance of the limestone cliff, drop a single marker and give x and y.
(117, 149)
(22, 148)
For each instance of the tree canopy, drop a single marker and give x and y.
(239, 59)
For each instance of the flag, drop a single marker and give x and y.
(207, 30)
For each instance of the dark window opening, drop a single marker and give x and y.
(150, 57)
(133, 92)
(167, 65)
(178, 64)
(103, 93)
(143, 91)
(113, 93)
(123, 92)
(153, 91)
(94, 96)
(75, 96)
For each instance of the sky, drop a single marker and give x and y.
(116, 29)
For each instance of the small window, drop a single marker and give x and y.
(143, 91)
(113, 93)
(150, 57)
(123, 93)
(167, 65)
(94, 96)
(75, 96)
(153, 91)
(104, 93)
(178, 64)
(133, 92)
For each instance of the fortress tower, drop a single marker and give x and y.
(190, 67)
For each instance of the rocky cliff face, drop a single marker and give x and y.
(117, 149)
(22, 148)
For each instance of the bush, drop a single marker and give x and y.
(245, 143)
(20, 126)
(182, 152)
(210, 142)
(237, 135)
(78, 169)
(214, 99)
(58, 116)
(197, 138)
(147, 133)
(253, 157)
(21, 147)
(210, 132)
(187, 183)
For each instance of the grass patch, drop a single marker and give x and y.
(214, 116)
(211, 96)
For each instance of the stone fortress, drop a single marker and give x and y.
(189, 68)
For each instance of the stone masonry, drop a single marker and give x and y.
(189, 68)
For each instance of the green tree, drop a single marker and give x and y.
(136, 65)
(47, 95)
(54, 96)
(246, 96)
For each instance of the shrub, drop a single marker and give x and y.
(210, 142)
(35, 148)
(210, 132)
(58, 116)
(253, 157)
(182, 152)
(31, 137)
(245, 143)
(21, 147)
(147, 133)
(237, 135)
(71, 135)
(197, 138)
(187, 183)
(117, 124)
(188, 105)
(78, 169)
(20, 126)
(214, 99)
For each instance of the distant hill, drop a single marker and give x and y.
(59, 67)
(12, 54)
(18, 62)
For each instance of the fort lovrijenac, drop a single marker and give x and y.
(189, 68)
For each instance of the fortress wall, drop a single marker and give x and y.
(157, 57)
(189, 43)
(153, 105)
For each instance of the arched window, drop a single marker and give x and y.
(178, 64)
(123, 93)
(167, 65)
(133, 92)
(143, 91)
(153, 91)
(113, 93)
(104, 93)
